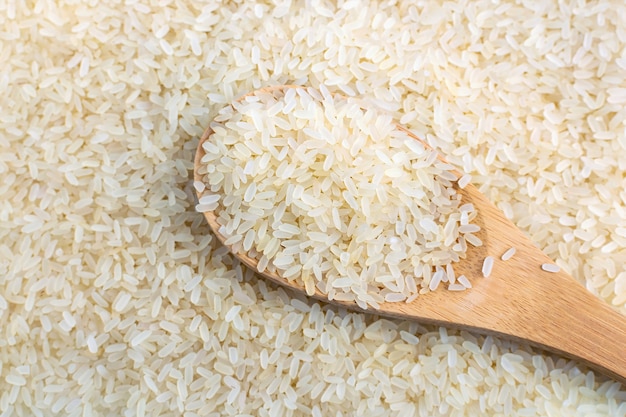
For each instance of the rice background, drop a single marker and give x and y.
(115, 299)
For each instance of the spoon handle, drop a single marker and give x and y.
(551, 309)
(582, 326)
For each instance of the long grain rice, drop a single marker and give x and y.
(99, 126)
(487, 266)
(335, 213)
(550, 268)
(508, 254)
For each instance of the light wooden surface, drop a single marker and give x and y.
(519, 300)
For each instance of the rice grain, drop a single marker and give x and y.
(550, 268)
(508, 254)
(326, 229)
(487, 266)
(99, 126)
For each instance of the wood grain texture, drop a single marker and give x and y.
(518, 300)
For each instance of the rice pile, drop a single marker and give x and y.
(334, 197)
(116, 300)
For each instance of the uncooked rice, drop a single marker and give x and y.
(464, 180)
(352, 206)
(102, 107)
(487, 266)
(508, 254)
(462, 279)
(550, 267)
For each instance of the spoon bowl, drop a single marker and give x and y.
(519, 300)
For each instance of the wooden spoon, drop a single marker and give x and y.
(519, 300)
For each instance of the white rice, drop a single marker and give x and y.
(487, 266)
(99, 128)
(464, 180)
(550, 267)
(462, 279)
(508, 254)
(456, 287)
(383, 209)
